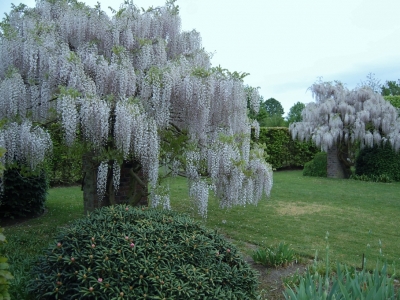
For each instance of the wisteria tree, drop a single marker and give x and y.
(340, 120)
(138, 92)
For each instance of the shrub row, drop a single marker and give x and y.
(282, 151)
(378, 162)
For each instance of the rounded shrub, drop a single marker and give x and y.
(378, 162)
(24, 193)
(121, 252)
(317, 166)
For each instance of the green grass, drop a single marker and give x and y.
(302, 209)
(299, 212)
(26, 240)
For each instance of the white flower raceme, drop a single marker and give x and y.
(343, 116)
(123, 84)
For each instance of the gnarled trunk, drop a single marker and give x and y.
(132, 189)
(338, 163)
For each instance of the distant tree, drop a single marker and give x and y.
(273, 107)
(340, 120)
(274, 111)
(294, 114)
(391, 88)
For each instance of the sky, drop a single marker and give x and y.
(287, 45)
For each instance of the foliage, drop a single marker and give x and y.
(347, 119)
(317, 166)
(391, 88)
(344, 283)
(282, 150)
(295, 203)
(273, 107)
(378, 163)
(340, 116)
(273, 112)
(138, 253)
(373, 178)
(64, 166)
(292, 280)
(117, 85)
(275, 121)
(278, 256)
(2, 151)
(26, 240)
(258, 113)
(394, 100)
(24, 192)
(294, 114)
(5, 275)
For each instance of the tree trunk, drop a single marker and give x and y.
(338, 164)
(132, 189)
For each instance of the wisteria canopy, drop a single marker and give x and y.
(127, 86)
(340, 116)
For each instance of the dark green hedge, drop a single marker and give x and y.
(282, 151)
(377, 161)
(24, 194)
(317, 166)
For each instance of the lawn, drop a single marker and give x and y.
(361, 217)
(300, 211)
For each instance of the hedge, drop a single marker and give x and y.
(24, 193)
(378, 161)
(282, 151)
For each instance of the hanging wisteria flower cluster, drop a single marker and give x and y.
(343, 116)
(123, 82)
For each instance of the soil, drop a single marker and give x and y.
(271, 279)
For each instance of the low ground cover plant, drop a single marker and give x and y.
(121, 252)
(275, 256)
(342, 282)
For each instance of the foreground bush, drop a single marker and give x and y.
(120, 252)
(5, 275)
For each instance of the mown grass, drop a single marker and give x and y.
(299, 212)
(25, 241)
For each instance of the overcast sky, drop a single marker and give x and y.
(286, 45)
